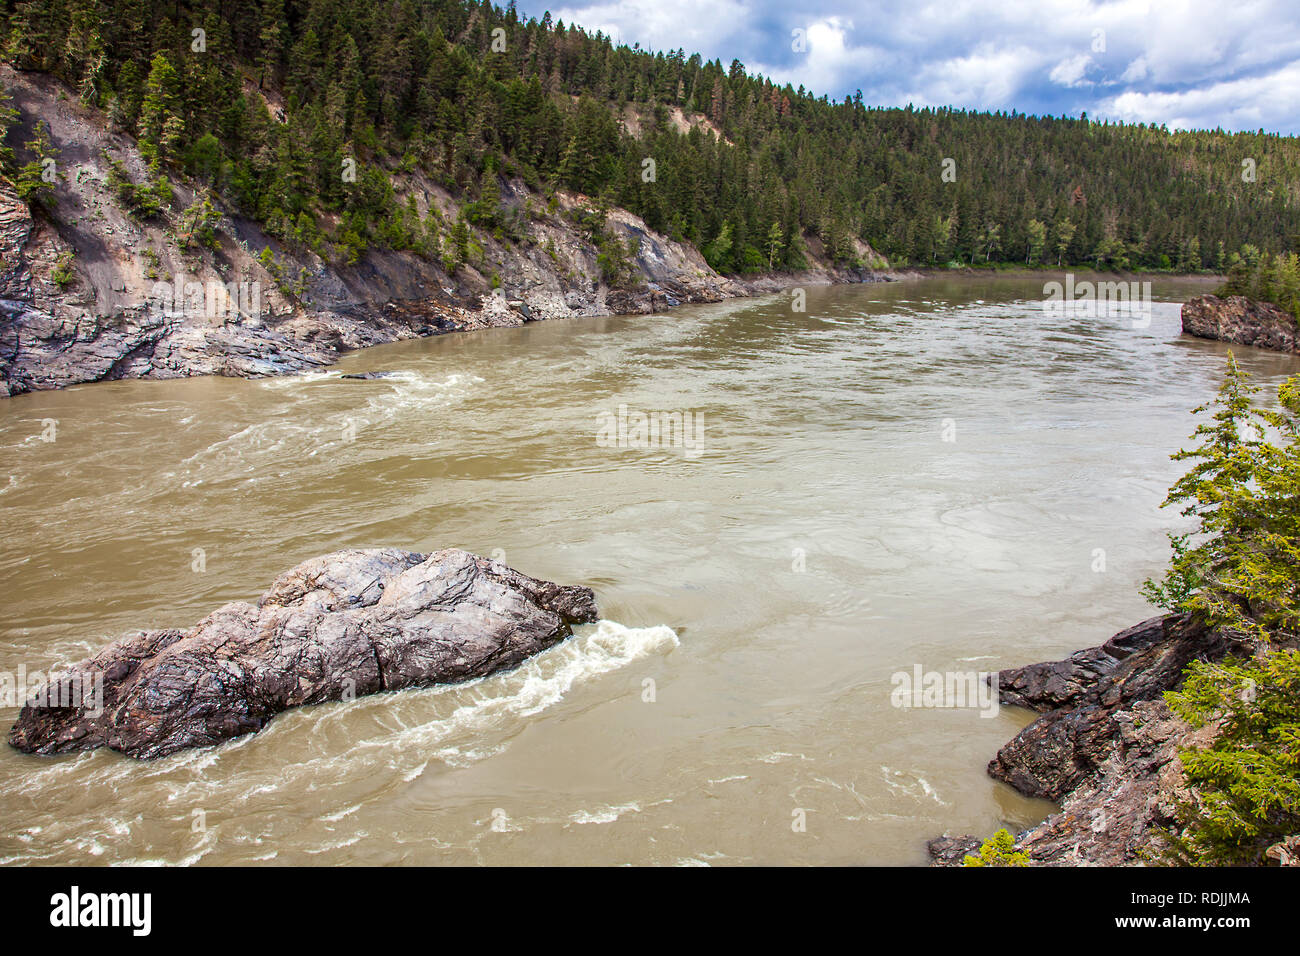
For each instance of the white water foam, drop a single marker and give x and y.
(470, 723)
(537, 685)
(300, 430)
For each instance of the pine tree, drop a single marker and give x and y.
(158, 110)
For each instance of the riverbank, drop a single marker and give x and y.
(1105, 747)
(91, 290)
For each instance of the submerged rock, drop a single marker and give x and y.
(1241, 321)
(335, 627)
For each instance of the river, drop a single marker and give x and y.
(931, 473)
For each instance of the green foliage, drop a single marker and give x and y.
(615, 260)
(1240, 567)
(1245, 786)
(1035, 241)
(718, 252)
(161, 128)
(414, 86)
(34, 180)
(204, 160)
(62, 275)
(998, 850)
(486, 210)
(1275, 279)
(198, 225)
(142, 200)
(8, 117)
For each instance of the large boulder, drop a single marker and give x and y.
(334, 627)
(1241, 321)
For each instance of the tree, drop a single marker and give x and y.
(159, 109)
(942, 239)
(990, 240)
(998, 850)
(273, 28)
(204, 159)
(8, 117)
(775, 243)
(718, 252)
(1245, 785)
(1036, 241)
(34, 181)
(1065, 230)
(1243, 572)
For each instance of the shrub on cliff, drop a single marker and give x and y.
(1240, 570)
(1245, 786)
(998, 850)
(1240, 567)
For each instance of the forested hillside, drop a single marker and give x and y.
(274, 99)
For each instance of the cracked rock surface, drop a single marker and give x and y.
(1241, 321)
(335, 627)
(1105, 746)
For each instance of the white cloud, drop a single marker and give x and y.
(988, 76)
(829, 60)
(665, 24)
(1260, 101)
(1070, 72)
(1194, 61)
(1137, 70)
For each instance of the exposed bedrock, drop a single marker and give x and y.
(1241, 321)
(335, 627)
(1105, 746)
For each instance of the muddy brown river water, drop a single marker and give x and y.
(931, 473)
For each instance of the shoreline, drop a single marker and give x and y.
(261, 349)
(258, 349)
(1104, 747)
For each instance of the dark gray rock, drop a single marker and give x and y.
(1241, 321)
(1081, 695)
(951, 851)
(335, 627)
(1105, 746)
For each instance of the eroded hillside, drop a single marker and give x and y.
(95, 290)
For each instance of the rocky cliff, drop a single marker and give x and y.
(1105, 746)
(1241, 321)
(80, 280)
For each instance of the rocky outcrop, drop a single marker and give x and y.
(1105, 746)
(105, 319)
(333, 628)
(1241, 321)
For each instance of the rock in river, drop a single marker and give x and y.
(1241, 321)
(342, 625)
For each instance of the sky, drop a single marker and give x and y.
(1186, 64)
